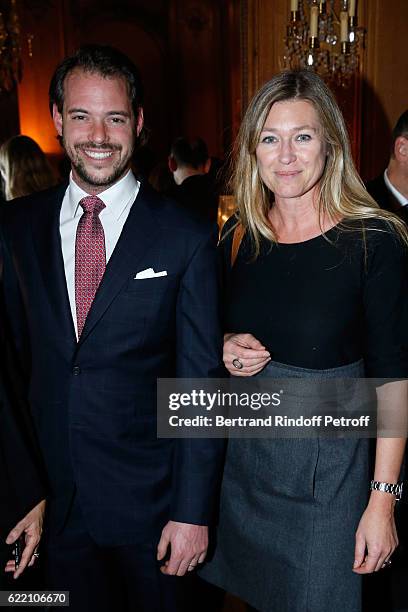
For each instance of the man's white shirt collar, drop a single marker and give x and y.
(397, 194)
(116, 198)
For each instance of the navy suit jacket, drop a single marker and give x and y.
(94, 401)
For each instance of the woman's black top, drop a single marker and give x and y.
(325, 302)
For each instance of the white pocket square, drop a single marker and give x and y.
(149, 273)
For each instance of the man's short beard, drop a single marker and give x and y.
(79, 167)
(94, 181)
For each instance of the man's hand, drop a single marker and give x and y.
(248, 350)
(188, 544)
(31, 526)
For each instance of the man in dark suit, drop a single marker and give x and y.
(390, 189)
(109, 286)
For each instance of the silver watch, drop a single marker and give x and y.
(386, 487)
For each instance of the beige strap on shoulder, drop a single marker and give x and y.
(237, 237)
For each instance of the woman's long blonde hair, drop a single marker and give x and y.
(24, 167)
(342, 194)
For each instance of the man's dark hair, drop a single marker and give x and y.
(400, 129)
(97, 59)
(189, 153)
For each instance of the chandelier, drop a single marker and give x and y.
(323, 40)
(10, 60)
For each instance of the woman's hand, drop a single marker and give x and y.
(376, 536)
(31, 527)
(248, 351)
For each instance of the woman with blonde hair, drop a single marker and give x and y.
(24, 167)
(316, 288)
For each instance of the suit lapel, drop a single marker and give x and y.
(138, 234)
(47, 242)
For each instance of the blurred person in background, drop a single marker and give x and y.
(390, 189)
(194, 186)
(24, 167)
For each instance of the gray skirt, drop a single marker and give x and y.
(288, 516)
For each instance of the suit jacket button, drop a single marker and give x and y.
(76, 370)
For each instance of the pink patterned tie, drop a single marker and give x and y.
(90, 257)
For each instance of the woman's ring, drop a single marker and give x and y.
(36, 554)
(237, 363)
(386, 564)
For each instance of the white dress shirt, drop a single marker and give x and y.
(397, 194)
(118, 200)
